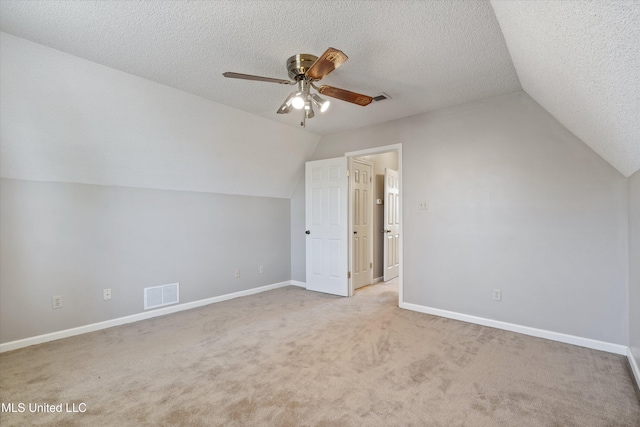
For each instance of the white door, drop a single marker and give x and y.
(361, 245)
(326, 226)
(391, 224)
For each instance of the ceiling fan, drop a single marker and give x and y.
(304, 70)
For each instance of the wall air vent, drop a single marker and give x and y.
(158, 296)
(381, 97)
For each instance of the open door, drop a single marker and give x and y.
(361, 189)
(391, 225)
(326, 225)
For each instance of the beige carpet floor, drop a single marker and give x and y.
(290, 357)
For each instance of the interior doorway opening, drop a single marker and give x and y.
(329, 230)
(385, 241)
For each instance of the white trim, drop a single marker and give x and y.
(39, 339)
(374, 150)
(634, 366)
(526, 330)
(377, 280)
(296, 283)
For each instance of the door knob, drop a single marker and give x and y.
(387, 231)
(307, 232)
(355, 232)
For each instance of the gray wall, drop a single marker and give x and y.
(634, 266)
(75, 240)
(517, 202)
(380, 162)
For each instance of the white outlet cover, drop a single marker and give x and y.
(423, 205)
(57, 301)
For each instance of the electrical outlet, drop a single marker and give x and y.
(261, 269)
(57, 301)
(497, 295)
(237, 273)
(106, 293)
(423, 205)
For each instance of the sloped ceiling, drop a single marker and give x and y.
(581, 62)
(66, 119)
(426, 55)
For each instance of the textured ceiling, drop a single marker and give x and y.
(425, 54)
(581, 62)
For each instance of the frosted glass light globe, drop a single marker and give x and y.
(297, 102)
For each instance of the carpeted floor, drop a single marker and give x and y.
(290, 357)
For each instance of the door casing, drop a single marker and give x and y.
(391, 224)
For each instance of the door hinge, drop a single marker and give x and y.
(348, 172)
(370, 179)
(349, 275)
(370, 265)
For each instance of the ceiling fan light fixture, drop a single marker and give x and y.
(308, 110)
(285, 108)
(322, 104)
(304, 70)
(298, 101)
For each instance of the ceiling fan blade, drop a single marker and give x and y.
(345, 95)
(257, 78)
(328, 61)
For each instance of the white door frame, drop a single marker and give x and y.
(380, 150)
(391, 230)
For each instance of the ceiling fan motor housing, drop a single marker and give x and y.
(297, 65)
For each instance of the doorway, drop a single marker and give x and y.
(329, 227)
(386, 246)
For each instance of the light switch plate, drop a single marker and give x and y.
(423, 205)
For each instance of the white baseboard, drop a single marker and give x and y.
(378, 280)
(634, 366)
(300, 284)
(541, 333)
(526, 330)
(39, 339)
